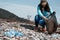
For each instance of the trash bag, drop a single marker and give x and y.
(52, 24)
(12, 33)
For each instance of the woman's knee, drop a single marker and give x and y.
(36, 18)
(41, 22)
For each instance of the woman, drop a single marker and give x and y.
(43, 10)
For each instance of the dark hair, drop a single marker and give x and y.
(46, 7)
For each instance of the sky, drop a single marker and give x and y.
(23, 8)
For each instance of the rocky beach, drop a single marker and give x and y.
(27, 34)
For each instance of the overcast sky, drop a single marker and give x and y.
(22, 8)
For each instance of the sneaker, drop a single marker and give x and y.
(36, 29)
(44, 29)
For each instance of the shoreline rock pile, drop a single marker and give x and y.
(28, 34)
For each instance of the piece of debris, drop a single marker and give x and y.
(12, 33)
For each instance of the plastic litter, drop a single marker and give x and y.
(55, 35)
(12, 33)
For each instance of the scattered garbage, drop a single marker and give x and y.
(12, 33)
(55, 35)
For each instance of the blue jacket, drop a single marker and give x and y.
(45, 13)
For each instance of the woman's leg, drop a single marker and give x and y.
(36, 22)
(42, 23)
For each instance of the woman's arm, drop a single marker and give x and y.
(39, 11)
(40, 14)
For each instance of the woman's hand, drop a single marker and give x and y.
(46, 19)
